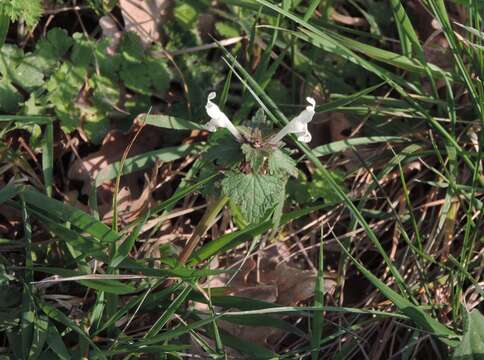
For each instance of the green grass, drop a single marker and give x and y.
(387, 222)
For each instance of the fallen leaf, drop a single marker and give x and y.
(112, 148)
(281, 283)
(144, 17)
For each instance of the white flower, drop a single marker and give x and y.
(298, 125)
(219, 119)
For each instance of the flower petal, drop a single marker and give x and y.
(298, 125)
(218, 118)
(305, 138)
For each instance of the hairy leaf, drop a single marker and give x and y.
(254, 194)
(281, 164)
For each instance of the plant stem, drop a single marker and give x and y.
(213, 209)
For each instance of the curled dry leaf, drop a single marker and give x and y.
(129, 206)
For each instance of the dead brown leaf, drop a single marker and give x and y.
(282, 283)
(144, 17)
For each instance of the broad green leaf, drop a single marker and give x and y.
(28, 74)
(254, 157)
(255, 194)
(223, 149)
(279, 162)
(60, 41)
(7, 192)
(471, 346)
(10, 98)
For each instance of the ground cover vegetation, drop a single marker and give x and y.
(241, 179)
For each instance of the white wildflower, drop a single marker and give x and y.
(219, 119)
(298, 125)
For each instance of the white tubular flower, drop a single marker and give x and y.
(219, 119)
(298, 125)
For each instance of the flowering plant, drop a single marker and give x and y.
(254, 164)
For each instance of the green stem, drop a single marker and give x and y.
(205, 223)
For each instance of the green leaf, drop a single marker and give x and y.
(142, 161)
(136, 77)
(55, 342)
(60, 41)
(186, 14)
(226, 30)
(146, 77)
(4, 25)
(27, 10)
(63, 88)
(51, 49)
(159, 75)
(131, 47)
(10, 57)
(171, 122)
(223, 150)
(83, 51)
(338, 146)
(280, 162)
(65, 212)
(260, 121)
(9, 97)
(255, 194)
(472, 345)
(255, 157)
(96, 124)
(59, 316)
(28, 74)
(106, 92)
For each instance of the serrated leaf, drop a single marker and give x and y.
(260, 121)
(255, 157)
(51, 49)
(60, 41)
(63, 88)
(108, 64)
(282, 164)
(472, 345)
(160, 76)
(95, 124)
(83, 50)
(223, 150)
(106, 92)
(131, 47)
(254, 194)
(136, 77)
